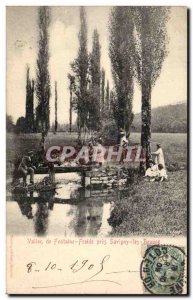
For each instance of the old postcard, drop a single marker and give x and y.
(97, 150)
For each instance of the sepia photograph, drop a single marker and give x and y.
(96, 129)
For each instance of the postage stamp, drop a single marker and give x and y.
(162, 269)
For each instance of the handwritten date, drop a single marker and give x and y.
(75, 267)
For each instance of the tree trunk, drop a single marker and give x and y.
(146, 124)
(56, 108)
(79, 124)
(70, 112)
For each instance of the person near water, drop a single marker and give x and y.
(159, 156)
(100, 157)
(123, 139)
(90, 151)
(26, 168)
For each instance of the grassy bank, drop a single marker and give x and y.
(152, 208)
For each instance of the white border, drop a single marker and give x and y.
(3, 5)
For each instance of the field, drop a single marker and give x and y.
(18, 145)
(174, 144)
(149, 208)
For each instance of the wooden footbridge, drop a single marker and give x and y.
(64, 169)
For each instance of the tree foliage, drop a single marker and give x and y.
(9, 124)
(56, 108)
(102, 89)
(107, 97)
(151, 41)
(72, 89)
(80, 69)
(29, 115)
(94, 85)
(43, 78)
(121, 50)
(20, 126)
(169, 118)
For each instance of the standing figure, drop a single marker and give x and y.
(100, 157)
(123, 139)
(159, 156)
(90, 151)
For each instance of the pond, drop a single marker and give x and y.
(70, 211)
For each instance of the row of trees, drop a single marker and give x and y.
(138, 47)
(89, 96)
(169, 118)
(38, 119)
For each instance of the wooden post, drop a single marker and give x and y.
(83, 177)
(52, 174)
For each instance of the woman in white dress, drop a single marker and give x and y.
(159, 156)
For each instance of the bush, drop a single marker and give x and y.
(109, 132)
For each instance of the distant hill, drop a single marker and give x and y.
(169, 118)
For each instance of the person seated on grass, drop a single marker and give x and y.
(162, 175)
(152, 170)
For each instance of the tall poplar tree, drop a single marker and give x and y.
(107, 97)
(150, 52)
(94, 86)
(72, 89)
(102, 89)
(42, 72)
(29, 114)
(56, 109)
(121, 49)
(80, 69)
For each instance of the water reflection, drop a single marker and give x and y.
(24, 204)
(44, 204)
(69, 211)
(88, 218)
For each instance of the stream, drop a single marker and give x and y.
(70, 211)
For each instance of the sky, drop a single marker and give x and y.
(22, 41)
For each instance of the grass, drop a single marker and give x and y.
(152, 208)
(18, 145)
(174, 146)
